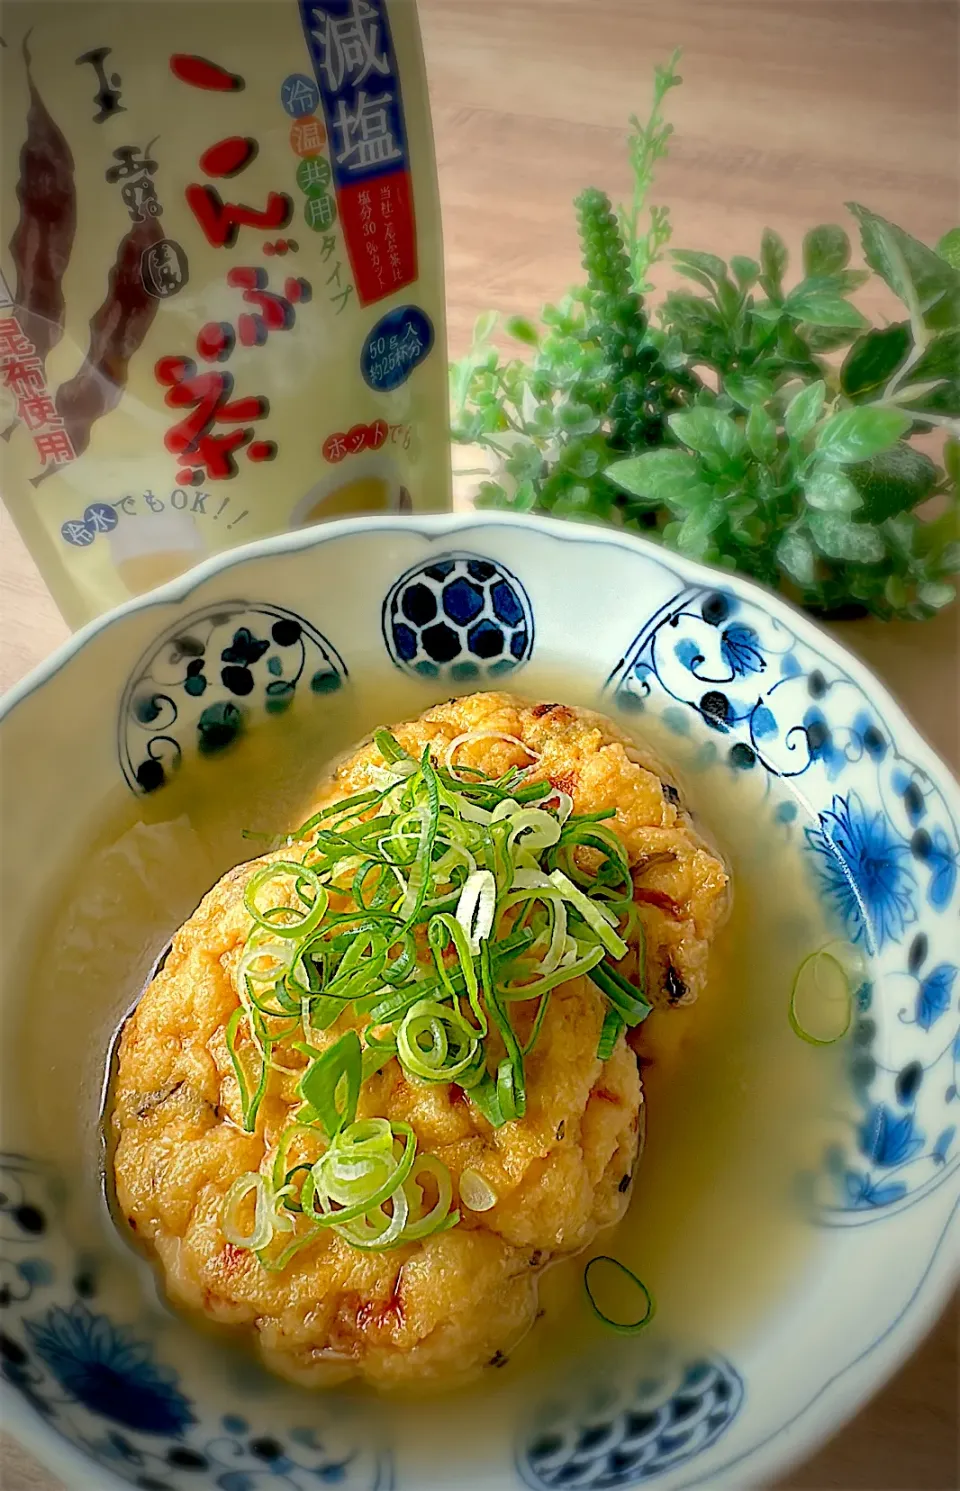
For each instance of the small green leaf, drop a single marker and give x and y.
(872, 361)
(830, 491)
(773, 260)
(822, 339)
(730, 301)
(949, 247)
(697, 275)
(746, 389)
(577, 419)
(693, 537)
(524, 498)
(940, 360)
(804, 411)
(896, 592)
(926, 283)
(858, 434)
(843, 282)
(762, 435)
(746, 271)
(672, 353)
(580, 459)
(796, 554)
(942, 398)
(492, 494)
(936, 594)
(708, 431)
(895, 481)
(659, 476)
(691, 314)
(524, 461)
(709, 265)
(484, 327)
(838, 538)
(824, 310)
(826, 249)
(523, 330)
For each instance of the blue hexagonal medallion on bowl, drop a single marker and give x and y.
(461, 617)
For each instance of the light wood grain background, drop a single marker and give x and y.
(789, 108)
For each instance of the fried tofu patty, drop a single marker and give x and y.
(437, 1310)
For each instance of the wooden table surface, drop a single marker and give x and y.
(789, 108)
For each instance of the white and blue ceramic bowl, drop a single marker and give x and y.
(107, 1389)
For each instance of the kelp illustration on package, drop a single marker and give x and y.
(221, 294)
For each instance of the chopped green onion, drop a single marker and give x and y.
(280, 1264)
(420, 874)
(360, 801)
(263, 1221)
(820, 1014)
(302, 923)
(470, 736)
(389, 747)
(484, 1096)
(435, 1043)
(613, 1026)
(250, 1099)
(443, 931)
(439, 1214)
(475, 1193)
(625, 999)
(511, 1083)
(537, 1024)
(576, 969)
(537, 829)
(475, 908)
(455, 889)
(321, 1082)
(375, 1058)
(595, 916)
(603, 1263)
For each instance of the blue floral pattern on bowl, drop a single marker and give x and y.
(204, 679)
(460, 616)
(627, 1436)
(143, 1400)
(102, 1389)
(885, 847)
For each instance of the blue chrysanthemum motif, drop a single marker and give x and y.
(460, 617)
(865, 871)
(637, 1434)
(99, 1387)
(108, 1371)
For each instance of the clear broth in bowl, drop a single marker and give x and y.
(735, 1109)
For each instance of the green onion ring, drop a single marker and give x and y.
(453, 1042)
(300, 874)
(814, 961)
(622, 1329)
(613, 1027)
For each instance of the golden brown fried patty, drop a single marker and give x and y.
(441, 1308)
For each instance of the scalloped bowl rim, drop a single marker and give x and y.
(816, 1419)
